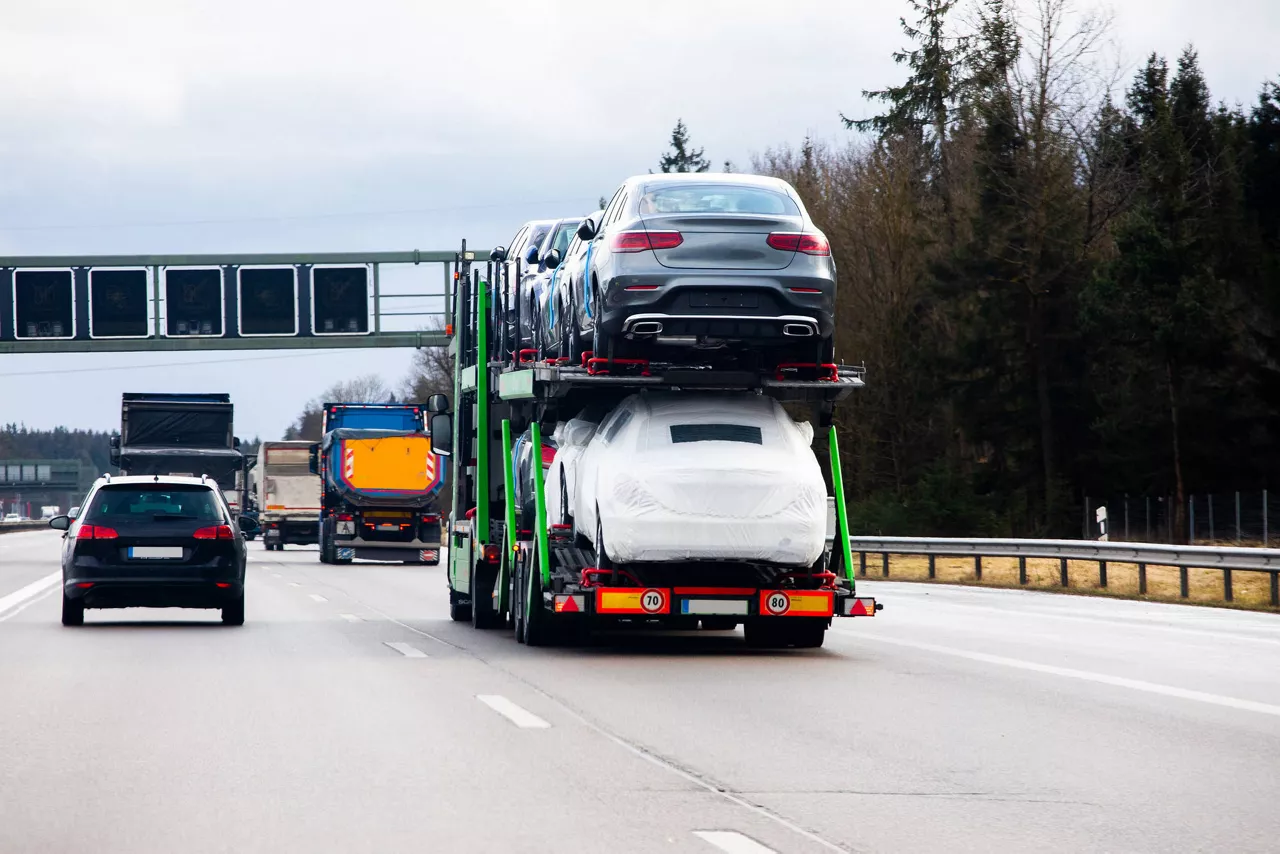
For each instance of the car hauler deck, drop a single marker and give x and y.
(546, 582)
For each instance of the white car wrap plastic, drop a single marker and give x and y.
(700, 477)
(571, 439)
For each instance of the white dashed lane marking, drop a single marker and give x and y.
(407, 650)
(732, 842)
(522, 718)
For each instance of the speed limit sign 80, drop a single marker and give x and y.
(778, 603)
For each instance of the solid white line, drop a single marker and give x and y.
(32, 590)
(1085, 675)
(509, 710)
(732, 842)
(318, 597)
(7, 615)
(407, 650)
(350, 618)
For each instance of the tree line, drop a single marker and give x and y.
(1057, 291)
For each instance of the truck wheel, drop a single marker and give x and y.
(458, 612)
(538, 630)
(518, 583)
(483, 578)
(780, 633)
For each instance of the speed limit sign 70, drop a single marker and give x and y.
(653, 601)
(778, 603)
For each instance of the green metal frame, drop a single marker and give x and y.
(544, 558)
(482, 413)
(509, 489)
(842, 515)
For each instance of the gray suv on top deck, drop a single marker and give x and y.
(700, 260)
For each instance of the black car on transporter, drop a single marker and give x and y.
(152, 541)
(707, 261)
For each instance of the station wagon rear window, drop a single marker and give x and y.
(143, 502)
(711, 198)
(682, 433)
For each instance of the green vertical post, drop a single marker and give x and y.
(482, 412)
(842, 516)
(509, 491)
(540, 507)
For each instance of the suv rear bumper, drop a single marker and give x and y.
(154, 593)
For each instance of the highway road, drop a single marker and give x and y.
(349, 714)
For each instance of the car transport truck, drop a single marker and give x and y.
(379, 484)
(185, 435)
(553, 581)
(287, 494)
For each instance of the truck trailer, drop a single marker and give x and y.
(188, 435)
(287, 493)
(379, 484)
(547, 581)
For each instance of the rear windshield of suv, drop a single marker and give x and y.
(713, 198)
(162, 500)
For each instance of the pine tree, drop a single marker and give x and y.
(683, 158)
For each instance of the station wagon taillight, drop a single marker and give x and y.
(214, 532)
(639, 241)
(797, 241)
(96, 532)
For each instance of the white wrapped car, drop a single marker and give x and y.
(682, 477)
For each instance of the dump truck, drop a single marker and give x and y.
(547, 581)
(379, 484)
(187, 435)
(287, 494)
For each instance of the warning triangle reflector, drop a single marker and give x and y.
(570, 606)
(859, 609)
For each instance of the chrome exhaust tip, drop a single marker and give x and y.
(797, 330)
(646, 327)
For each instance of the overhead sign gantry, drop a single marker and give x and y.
(119, 303)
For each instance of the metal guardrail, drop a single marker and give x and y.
(1143, 555)
(14, 527)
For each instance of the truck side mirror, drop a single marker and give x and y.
(437, 403)
(313, 459)
(441, 430)
(236, 443)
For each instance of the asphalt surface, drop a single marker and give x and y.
(349, 714)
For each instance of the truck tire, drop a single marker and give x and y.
(784, 632)
(538, 628)
(517, 598)
(483, 578)
(458, 612)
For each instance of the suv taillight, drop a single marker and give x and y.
(796, 241)
(96, 532)
(639, 241)
(214, 532)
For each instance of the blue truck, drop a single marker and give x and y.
(379, 484)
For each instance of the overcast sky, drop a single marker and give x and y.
(255, 125)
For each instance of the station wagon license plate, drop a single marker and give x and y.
(155, 552)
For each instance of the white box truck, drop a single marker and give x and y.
(288, 495)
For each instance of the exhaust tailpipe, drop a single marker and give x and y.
(797, 330)
(646, 327)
